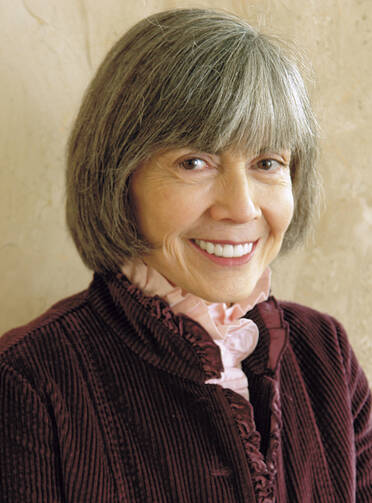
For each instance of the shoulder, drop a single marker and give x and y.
(45, 343)
(306, 321)
(299, 315)
(315, 336)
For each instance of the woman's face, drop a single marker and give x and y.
(215, 221)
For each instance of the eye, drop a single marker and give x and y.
(269, 164)
(193, 164)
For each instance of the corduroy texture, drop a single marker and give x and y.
(103, 399)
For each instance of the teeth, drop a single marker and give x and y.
(209, 247)
(239, 250)
(227, 251)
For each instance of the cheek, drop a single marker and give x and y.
(281, 212)
(162, 212)
(288, 208)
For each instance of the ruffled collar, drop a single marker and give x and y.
(216, 315)
(236, 336)
(217, 318)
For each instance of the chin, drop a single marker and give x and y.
(223, 295)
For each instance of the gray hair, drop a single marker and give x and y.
(183, 77)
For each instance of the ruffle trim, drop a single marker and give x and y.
(203, 345)
(263, 473)
(235, 336)
(206, 349)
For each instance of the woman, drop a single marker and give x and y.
(176, 377)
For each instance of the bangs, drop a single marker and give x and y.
(242, 92)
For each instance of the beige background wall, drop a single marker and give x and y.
(49, 51)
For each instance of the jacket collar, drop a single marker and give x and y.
(175, 343)
(273, 340)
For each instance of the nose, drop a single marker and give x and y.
(236, 198)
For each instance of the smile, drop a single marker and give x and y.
(225, 253)
(225, 250)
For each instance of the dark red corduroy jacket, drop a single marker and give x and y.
(103, 399)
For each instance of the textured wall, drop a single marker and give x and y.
(49, 51)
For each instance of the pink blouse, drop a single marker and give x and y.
(236, 337)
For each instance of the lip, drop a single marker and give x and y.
(227, 261)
